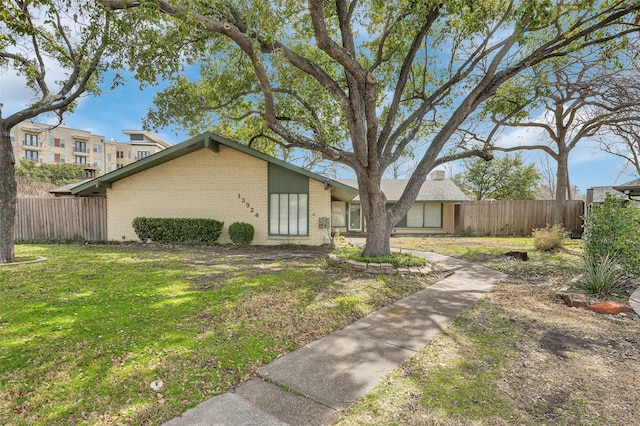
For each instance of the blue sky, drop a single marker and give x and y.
(124, 107)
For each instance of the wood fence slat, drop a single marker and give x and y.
(515, 217)
(61, 218)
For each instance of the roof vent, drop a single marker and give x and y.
(438, 175)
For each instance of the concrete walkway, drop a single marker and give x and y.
(329, 374)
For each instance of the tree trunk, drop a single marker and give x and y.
(374, 208)
(562, 175)
(8, 193)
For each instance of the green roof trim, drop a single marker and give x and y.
(205, 140)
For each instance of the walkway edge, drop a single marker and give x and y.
(329, 374)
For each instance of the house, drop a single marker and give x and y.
(44, 143)
(209, 176)
(629, 190)
(433, 211)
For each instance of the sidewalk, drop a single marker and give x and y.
(329, 374)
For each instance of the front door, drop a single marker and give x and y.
(355, 217)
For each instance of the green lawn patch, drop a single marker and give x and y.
(399, 260)
(83, 334)
(449, 381)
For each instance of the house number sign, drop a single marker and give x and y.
(247, 205)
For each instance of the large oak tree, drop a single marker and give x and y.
(360, 81)
(580, 96)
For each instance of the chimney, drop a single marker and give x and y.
(89, 173)
(437, 175)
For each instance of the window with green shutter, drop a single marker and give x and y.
(288, 202)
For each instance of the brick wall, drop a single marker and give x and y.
(205, 184)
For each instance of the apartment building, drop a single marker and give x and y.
(44, 143)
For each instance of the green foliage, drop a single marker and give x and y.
(54, 174)
(611, 229)
(399, 260)
(178, 231)
(549, 238)
(241, 233)
(506, 178)
(600, 275)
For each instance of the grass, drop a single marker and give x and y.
(448, 378)
(399, 260)
(84, 333)
(518, 357)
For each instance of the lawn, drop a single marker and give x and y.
(84, 333)
(519, 357)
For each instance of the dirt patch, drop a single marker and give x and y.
(574, 366)
(560, 343)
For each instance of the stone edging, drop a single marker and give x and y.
(377, 268)
(39, 259)
(634, 301)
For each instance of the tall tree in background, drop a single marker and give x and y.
(505, 178)
(36, 39)
(580, 97)
(623, 141)
(361, 82)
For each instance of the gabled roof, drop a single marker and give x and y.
(66, 189)
(431, 190)
(207, 140)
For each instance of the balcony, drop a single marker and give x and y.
(39, 146)
(82, 152)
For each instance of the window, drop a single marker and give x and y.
(136, 136)
(119, 166)
(338, 213)
(288, 214)
(143, 154)
(355, 217)
(52, 158)
(81, 160)
(13, 138)
(119, 154)
(97, 163)
(109, 157)
(62, 158)
(56, 142)
(30, 139)
(80, 147)
(31, 155)
(425, 215)
(97, 148)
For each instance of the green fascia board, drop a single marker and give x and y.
(205, 140)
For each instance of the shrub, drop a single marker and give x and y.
(549, 237)
(611, 229)
(600, 275)
(178, 231)
(241, 233)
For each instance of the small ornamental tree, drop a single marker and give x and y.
(612, 230)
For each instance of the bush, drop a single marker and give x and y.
(600, 276)
(549, 237)
(611, 229)
(178, 231)
(241, 233)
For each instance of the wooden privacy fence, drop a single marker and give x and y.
(514, 217)
(61, 218)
